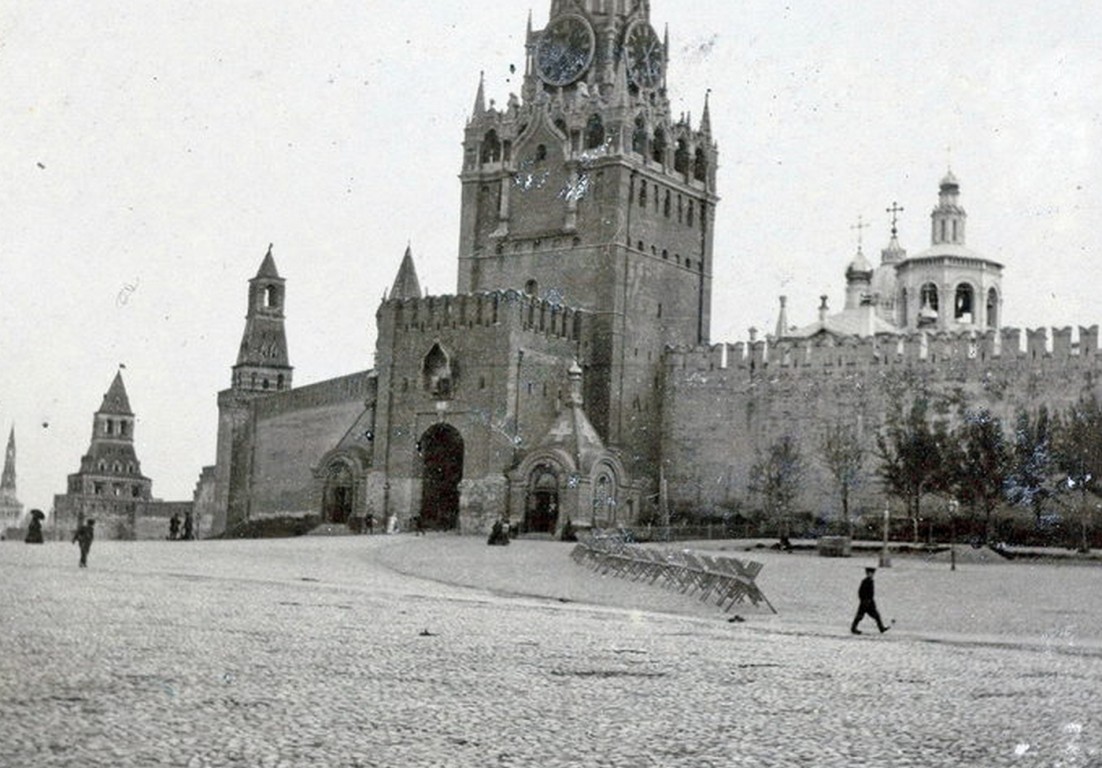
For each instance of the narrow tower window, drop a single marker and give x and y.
(594, 132)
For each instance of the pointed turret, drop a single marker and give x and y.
(267, 267)
(115, 401)
(7, 481)
(406, 285)
(262, 359)
(480, 96)
(706, 118)
(10, 509)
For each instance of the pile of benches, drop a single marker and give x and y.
(724, 579)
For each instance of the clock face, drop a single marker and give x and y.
(565, 50)
(644, 54)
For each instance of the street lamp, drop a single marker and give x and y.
(885, 561)
(953, 534)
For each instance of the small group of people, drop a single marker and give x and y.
(34, 527)
(500, 533)
(174, 528)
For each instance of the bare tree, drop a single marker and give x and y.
(841, 451)
(776, 478)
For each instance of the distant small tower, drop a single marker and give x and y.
(10, 509)
(262, 361)
(109, 485)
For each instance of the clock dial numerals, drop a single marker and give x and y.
(565, 50)
(645, 55)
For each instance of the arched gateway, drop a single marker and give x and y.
(442, 468)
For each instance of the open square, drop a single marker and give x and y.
(440, 651)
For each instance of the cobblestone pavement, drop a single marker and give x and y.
(313, 652)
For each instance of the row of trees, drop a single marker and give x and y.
(1048, 463)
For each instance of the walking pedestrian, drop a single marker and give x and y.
(84, 536)
(189, 525)
(867, 604)
(174, 526)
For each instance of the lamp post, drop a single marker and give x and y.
(885, 560)
(953, 534)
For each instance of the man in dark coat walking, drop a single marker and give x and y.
(84, 536)
(867, 606)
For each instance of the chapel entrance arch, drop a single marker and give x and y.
(442, 468)
(541, 511)
(336, 504)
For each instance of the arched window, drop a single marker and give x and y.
(271, 297)
(109, 427)
(639, 136)
(689, 214)
(963, 304)
(491, 147)
(642, 194)
(658, 146)
(700, 166)
(438, 374)
(992, 308)
(928, 297)
(594, 132)
(681, 157)
(666, 204)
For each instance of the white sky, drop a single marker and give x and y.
(179, 138)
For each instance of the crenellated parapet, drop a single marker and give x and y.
(955, 352)
(518, 310)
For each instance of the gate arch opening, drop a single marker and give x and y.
(541, 512)
(441, 449)
(336, 505)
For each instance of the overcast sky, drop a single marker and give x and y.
(150, 151)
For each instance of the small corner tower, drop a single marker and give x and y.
(262, 361)
(109, 485)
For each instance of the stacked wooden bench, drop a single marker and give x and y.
(726, 580)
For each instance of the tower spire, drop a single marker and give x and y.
(706, 118)
(10, 509)
(480, 95)
(7, 481)
(262, 359)
(406, 285)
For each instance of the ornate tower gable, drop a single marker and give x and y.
(262, 360)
